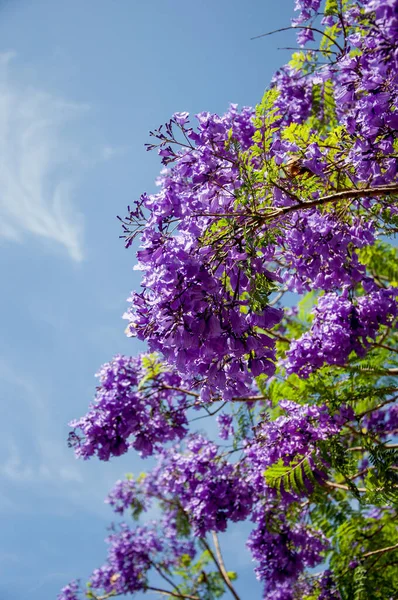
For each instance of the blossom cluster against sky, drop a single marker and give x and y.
(81, 84)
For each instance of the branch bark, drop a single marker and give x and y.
(381, 551)
(172, 594)
(341, 486)
(360, 193)
(220, 569)
(221, 562)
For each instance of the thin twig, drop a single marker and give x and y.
(385, 347)
(278, 336)
(166, 593)
(181, 390)
(299, 27)
(366, 412)
(167, 579)
(308, 50)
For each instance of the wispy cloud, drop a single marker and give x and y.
(109, 152)
(38, 163)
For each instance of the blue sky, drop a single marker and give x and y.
(81, 84)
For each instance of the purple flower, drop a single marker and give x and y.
(128, 414)
(283, 552)
(225, 426)
(70, 592)
(341, 327)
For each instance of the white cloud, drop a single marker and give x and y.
(109, 152)
(36, 161)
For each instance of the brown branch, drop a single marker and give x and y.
(278, 336)
(364, 471)
(361, 193)
(166, 593)
(277, 297)
(220, 569)
(248, 398)
(221, 563)
(362, 449)
(196, 395)
(167, 579)
(284, 210)
(386, 565)
(360, 473)
(385, 347)
(178, 389)
(377, 372)
(366, 412)
(381, 551)
(340, 486)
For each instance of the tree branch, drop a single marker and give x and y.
(178, 389)
(360, 193)
(299, 27)
(221, 562)
(340, 486)
(284, 210)
(381, 551)
(167, 579)
(370, 410)
(362, 449)
(166, 593)
(220, 569)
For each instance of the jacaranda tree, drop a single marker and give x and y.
(269, 299)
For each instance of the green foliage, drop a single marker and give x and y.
(197, 579)
(331, 7)
(305, 305)
(382, 479)
(244, 418)
(381, 260)
(153, 366)
(262, 288)
(294, 478)
(360, 584)
(365, 558)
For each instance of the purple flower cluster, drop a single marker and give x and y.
(341, 327)
(307, 10)
(130, 557)
(208, 488)
(295, 94)
(191, 308)
(283, 552)
(383, 422)
(366, 91)
(198, 480)
(317, 251)
(225, 426)
(70, 591)
(288, 436)
(126, 494)
(328, 589)
(364, 78)
(126, 415)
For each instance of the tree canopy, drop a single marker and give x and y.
(269, 303)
